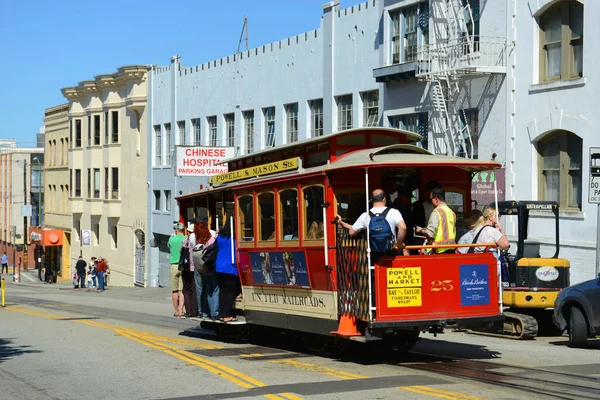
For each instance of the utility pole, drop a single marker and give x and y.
(25, 235)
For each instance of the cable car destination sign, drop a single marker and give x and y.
(258, 170)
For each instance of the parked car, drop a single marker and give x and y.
(577, 310)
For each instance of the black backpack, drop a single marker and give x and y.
(184, 259)
(381, 237)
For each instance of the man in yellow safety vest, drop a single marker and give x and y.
(441, 228)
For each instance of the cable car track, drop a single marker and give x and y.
(548, 383)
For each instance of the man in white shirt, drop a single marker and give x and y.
(393, 217)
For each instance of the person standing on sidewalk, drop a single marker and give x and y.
(175, 279)
(4, 263)
(100, 274)
(227, 272)
(80, 266)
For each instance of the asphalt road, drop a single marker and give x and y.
(124, 344)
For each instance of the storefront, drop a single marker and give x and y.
(48, 252)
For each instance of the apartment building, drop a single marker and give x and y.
(16, 200)
(107, 171)
(55, 231)
(552, 121)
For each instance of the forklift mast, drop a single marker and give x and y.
(521, 210)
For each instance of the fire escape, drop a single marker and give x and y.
(457, 51)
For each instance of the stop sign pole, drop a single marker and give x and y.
(594, 196)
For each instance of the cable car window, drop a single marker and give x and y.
(288, 206)
(350, 205)
(246, 219)
(266, 215)
(313, 214)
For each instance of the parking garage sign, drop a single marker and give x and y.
(594, 189)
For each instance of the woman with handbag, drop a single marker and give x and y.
(207, 284)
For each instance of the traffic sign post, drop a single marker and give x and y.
(594, 196)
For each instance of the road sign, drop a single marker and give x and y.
(26, 210)
(594, 189)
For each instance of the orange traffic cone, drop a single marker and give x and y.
(347, 326)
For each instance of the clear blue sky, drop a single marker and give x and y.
(47, 45)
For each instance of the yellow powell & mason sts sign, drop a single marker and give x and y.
(259, 170)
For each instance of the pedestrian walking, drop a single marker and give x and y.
(80, 267)
(4, 262)
(100, 274)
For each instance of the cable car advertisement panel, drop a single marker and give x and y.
(279, 268)
(459, 286)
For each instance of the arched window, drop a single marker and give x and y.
(246, 218)
(288, 219)
(561, 41)
(313, 214)
(560, 169)
(266, 216)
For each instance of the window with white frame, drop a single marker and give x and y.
(196, 123)
(181, 133)
(97, 130)
(344, 114)
(249, 130)
(468, 146)
(370, 108)
(316, 117)
(168, 143)
(96, 183)
(230, 129)
(560, 169)
(561, 42)
(156, 200)
(291, 119)
(212, 130)
(269, 114)
(167, 200)
(115, 127)
(417, 123)
(157, 146)
(409, 31)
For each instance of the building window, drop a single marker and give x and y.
(70, 180)
(106, 127)
(370, 108)
(89, 183)
(269, 114)
(77, 183)
(196, 123)
(78, 133)
(344, 106)
(167, 200)
(156, 200)
(71, 131)
(106, 183)
(469, 133)
(157, 146)
(561, 42)
(316, 118)
(115, 183)
(96, 130)
(230, 129)
(410, 29)
(212, 130)
(96, 183)
(249, 130)
(291, 119)
(54, 153)
(417, 123)
(115, 127)
(181, 130)
(560, 169)
(97, 234)
(78, 229)
(168, 143)
(89, 126)
(114, 237)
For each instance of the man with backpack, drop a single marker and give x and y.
(382, 221)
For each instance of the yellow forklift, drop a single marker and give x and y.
(533, 281)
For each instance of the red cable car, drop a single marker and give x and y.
(300, 271)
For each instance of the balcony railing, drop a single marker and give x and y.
(468, 54)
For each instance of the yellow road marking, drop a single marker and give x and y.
(154, 341)
(351, 376)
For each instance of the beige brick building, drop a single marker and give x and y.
(107, 171)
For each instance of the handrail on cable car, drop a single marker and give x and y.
(447, 246)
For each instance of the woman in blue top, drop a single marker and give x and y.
(227, 273)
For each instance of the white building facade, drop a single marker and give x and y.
(552, 121)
